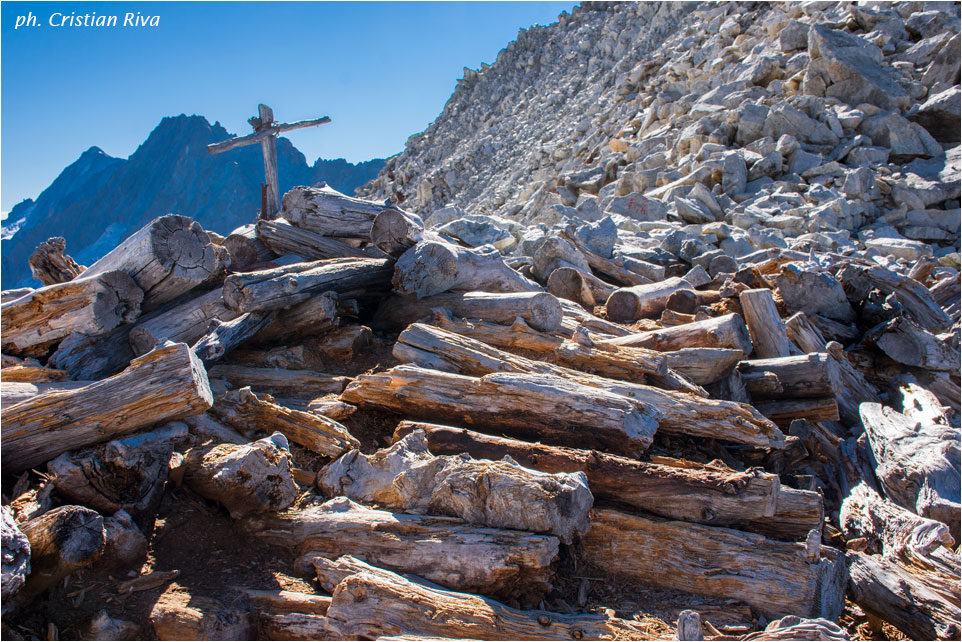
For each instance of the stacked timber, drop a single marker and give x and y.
(450, 441)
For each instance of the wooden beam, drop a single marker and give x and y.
(257, 137)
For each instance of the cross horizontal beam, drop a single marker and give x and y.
(250, 139)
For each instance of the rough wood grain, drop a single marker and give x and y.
(540, 310)
(93, 305)
(283, 238)
(184, 323)
(643, 301)
(89, 358)
(167, 383)
(909, 344)
(289, 615)
(914, 297)
(316, 315)
(764, 324)
(327, 212)
(49, 265)
(433, 267)
(178, 615)
(14, 392)
(394, 232)
(292, 284)
(728, 331)
(223, 336)
(62, 541)
(370, 602)
(167, 257)
(777, 578)
(784, 411)
(246, 411)
(702, 366)
(808, 375)
(516, 336)
(568, 283)
(280, 381)
(443, 550)
(500, 494)
(589, 353)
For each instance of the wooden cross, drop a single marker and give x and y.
(265, 133)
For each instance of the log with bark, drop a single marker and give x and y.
(643, 301)
(167, 257)
(728, 331)
(244, 477)
(444, 550)
(536, 406)
(283, 287)
(184, 323)
(776, 578)
(327, 212)
(370, 602)
(540, 310)
(408, 478)
(281, 382)
(124, 474)
(767, 330)
(93, 305)
(164, 384)
(62, 541)
(49, 265)
(715, 495)
(223, 336)
(283, 238)
(246, 411)
(433, 267)
(431, 347)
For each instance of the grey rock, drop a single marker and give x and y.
(557, 252)
(785, 119)
(722, 264)
(691, 249)
(940, 115)
(692, 211)
(867, 156)
(734, 174)
(860, 183)
(904, 139)
(479, 230)
(813, 293)
(638, 207)
(589, 180)
(444, 215)
(944, 69)
(931, 23)
(900, 248)
(600, 237)
(793, 36)
(850, 68)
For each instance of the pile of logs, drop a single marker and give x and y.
(776, 438)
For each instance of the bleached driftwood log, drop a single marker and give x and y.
(246, 248)
(124, 474)
(394, 232)
(62, 541)
(583, 352)
(793, 628)
(185, 323)
(223, 336)
(178, 615)
(776, 578)
(244, 477)
(15, 558)
(283, 238)
(244, 410)
(808, 375)
(713, 495)
(370, 602)
(89, 358)
(764, 324)
(540, 310)
(276, 288)
(167, 383)
(49, 265)
(501, 494)
(444, 550)
(167, 257)
(433, 267)
(643, 301)
(439, 349)
(327, 212)
(93, 305)
(907, 343)
(702, 366)
(316, 315)
(728, 331)
(514, 335)
(914, 582)
(533, 406)
(918, 462)
(280, 381)
(568, 283)
(290, 615)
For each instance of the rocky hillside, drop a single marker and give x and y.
(98, 200)
(825, 120)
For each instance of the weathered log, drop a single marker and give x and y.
(784, 411)
(125, 546)
(918, 462)
(276, 288)
(280, 381)
(586, 354)
(49, 265)
(688, 301)
(327, 212)
(431, 347)
(167, 257)
(244, 410)
(167, 383)
(728, 331)
(223, 336)
(316, 315)
(500, 494)
(178, 615)
(764, 324)
(185, 323)
(575, 316)
(433, 267)
(331, 408)
(246, 248)
(713, 495)
(623, 270)
(93, 358)
(15, 560)
(62, 541)
(93, 305)
(808, 375)
(394, 232)
(776, 578)
(444, 550)
(568, 283)
(907, 343)
(32, 372)
(643, 301)
(702, 366)
(538, 406)
(342, 344)
(540, 310)
(516, 336)
(246, 477)
(689, 626)
(283, 238)
(946, 294)
(369, 602)
(793, 628)
(914, 297)
(289, 615)
(125, 474)
(34, 501)
(208, 429)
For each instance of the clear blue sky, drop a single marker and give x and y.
(381, 70)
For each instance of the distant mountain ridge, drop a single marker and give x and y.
(98, 200)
